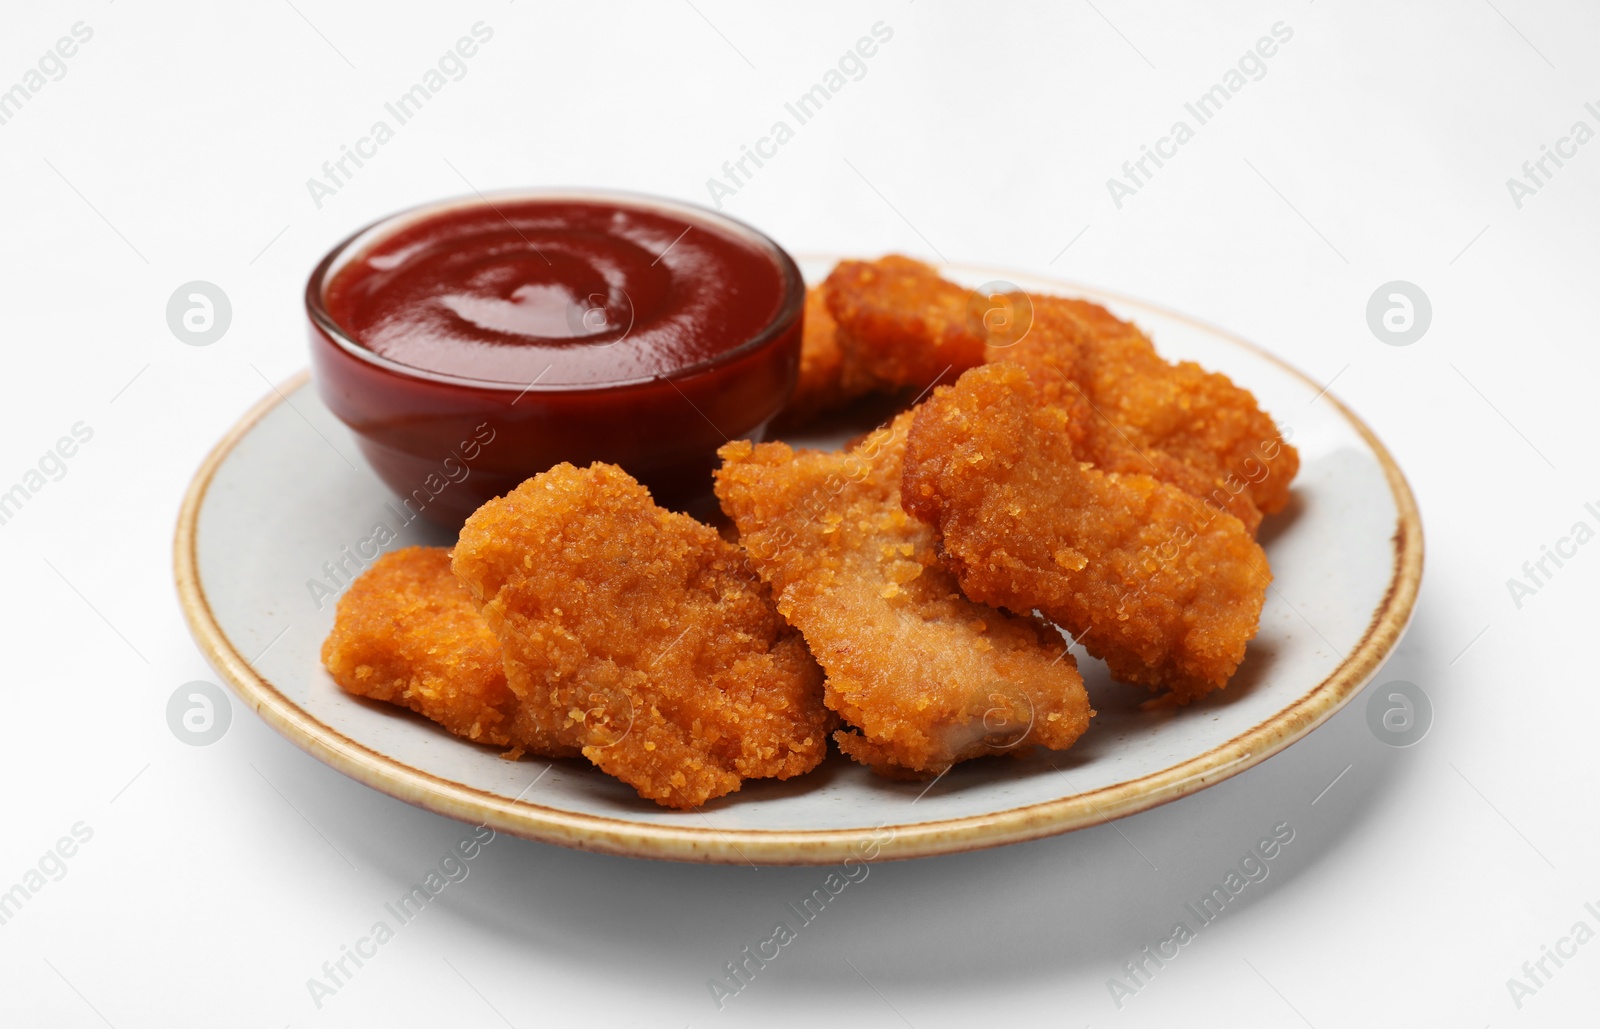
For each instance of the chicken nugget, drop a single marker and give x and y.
(408, 633)
(640, 636)
(1166, 589)
(1175, 421)
(1061, 357)
(924, 676)
(900, 325)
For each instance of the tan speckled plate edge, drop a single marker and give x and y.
(736, 846)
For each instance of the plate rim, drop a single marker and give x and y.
(618, 836)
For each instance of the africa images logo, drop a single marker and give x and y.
(1140, 970)
(1251, 67)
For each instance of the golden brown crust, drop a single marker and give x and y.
(900, 326)
(924, 676)
(1166, 589)
(640, 636)
(407, 633)
(1134, 411)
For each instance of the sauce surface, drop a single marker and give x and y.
(556, 293)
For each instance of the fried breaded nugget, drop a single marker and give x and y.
(1166, 589)
(1178, 422)
(1065, 362)
(924, 676)
(408, 633)
(900, 325)
(640, 636)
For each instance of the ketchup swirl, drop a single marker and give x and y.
(555, 292)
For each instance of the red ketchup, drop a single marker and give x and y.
(473, 344)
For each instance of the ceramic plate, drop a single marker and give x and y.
(286, 492)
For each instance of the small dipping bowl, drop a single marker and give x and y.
(472, 343)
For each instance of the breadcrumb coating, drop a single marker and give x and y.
(408, 633)
(1166, 589)
(900, 325)
(1134, 411)
(924, 676)
(640, 636)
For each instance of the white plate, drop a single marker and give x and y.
(286, 490)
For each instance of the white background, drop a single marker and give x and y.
(1377, 147)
